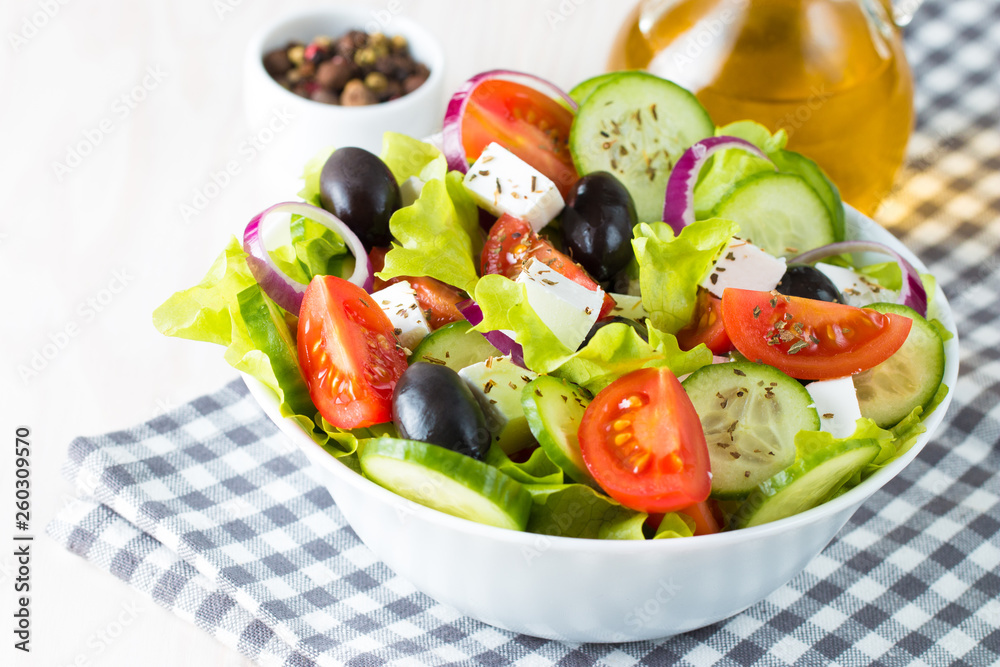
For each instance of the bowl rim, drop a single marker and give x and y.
(851, 499)
(400, 25)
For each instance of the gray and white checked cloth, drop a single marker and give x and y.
(208, 510)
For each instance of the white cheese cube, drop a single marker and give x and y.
(627, 305)
(501, 182)
(410, 189)
(744, 266)
(399, 302)
(836, 401)
(497, 384)
(568, 309)
(856, 289)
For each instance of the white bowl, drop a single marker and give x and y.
(295, 128)
(584, 590)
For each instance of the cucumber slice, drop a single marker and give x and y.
(447, 481)
(636, 126)
(796, 163)
(910, 377)
(554, 409)
(271, 334)
(750, 414)
(582, 91)
(808, 482)
(779, 213)
(454, 345)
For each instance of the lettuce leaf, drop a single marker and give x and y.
(407, 157)
(576, 510)
(675, 524)
(310, 175)
(433, 239)
(670, 268)
(538, 469)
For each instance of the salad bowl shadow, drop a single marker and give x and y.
(585, 590)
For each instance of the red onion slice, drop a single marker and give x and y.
(678, 204)
(285, 291)
(451, 134)
(912, 293)
(501, 341)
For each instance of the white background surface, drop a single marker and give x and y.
(86, 256)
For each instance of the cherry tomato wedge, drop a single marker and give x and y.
(526, 122)
(706, 327)
(436, 299)
(703, 514)
(511, 243)
(809, 339)
(643, 443)
(348, 353)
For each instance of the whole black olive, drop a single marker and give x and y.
(600, 324)
(357, 187)
(433, 404)
(597, 224)
(807, 281)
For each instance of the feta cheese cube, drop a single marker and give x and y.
(856, 289)
(497, 384)
(501, 182)
(568, 309)
(836, 401)
(745, 266)
(399, 302)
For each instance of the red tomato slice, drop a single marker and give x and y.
(809, 339)
(706, 327)
(643, 443)
(348, 353)
(511, 243)
(437, 300)
(526, 122)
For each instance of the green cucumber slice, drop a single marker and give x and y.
(554, 409)
(447, 481)
(808, 482)
(780, 213)
(454, 345)
(888, 392)
(796, 163)
(750, 414)
(271, 334)
(582, 90)
(636, 126)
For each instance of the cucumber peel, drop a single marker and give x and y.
(554, 409)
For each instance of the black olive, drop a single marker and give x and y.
(808, 282)
(357, 187)
(600, 324)
(433, 404)
(597, 225)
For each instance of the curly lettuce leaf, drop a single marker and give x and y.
(675, 524)
(538, 469)
(310, 175)
(407, 157)
(576, 510)
(433, 240)
(670, 268)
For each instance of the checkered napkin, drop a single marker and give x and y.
(210, 513)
